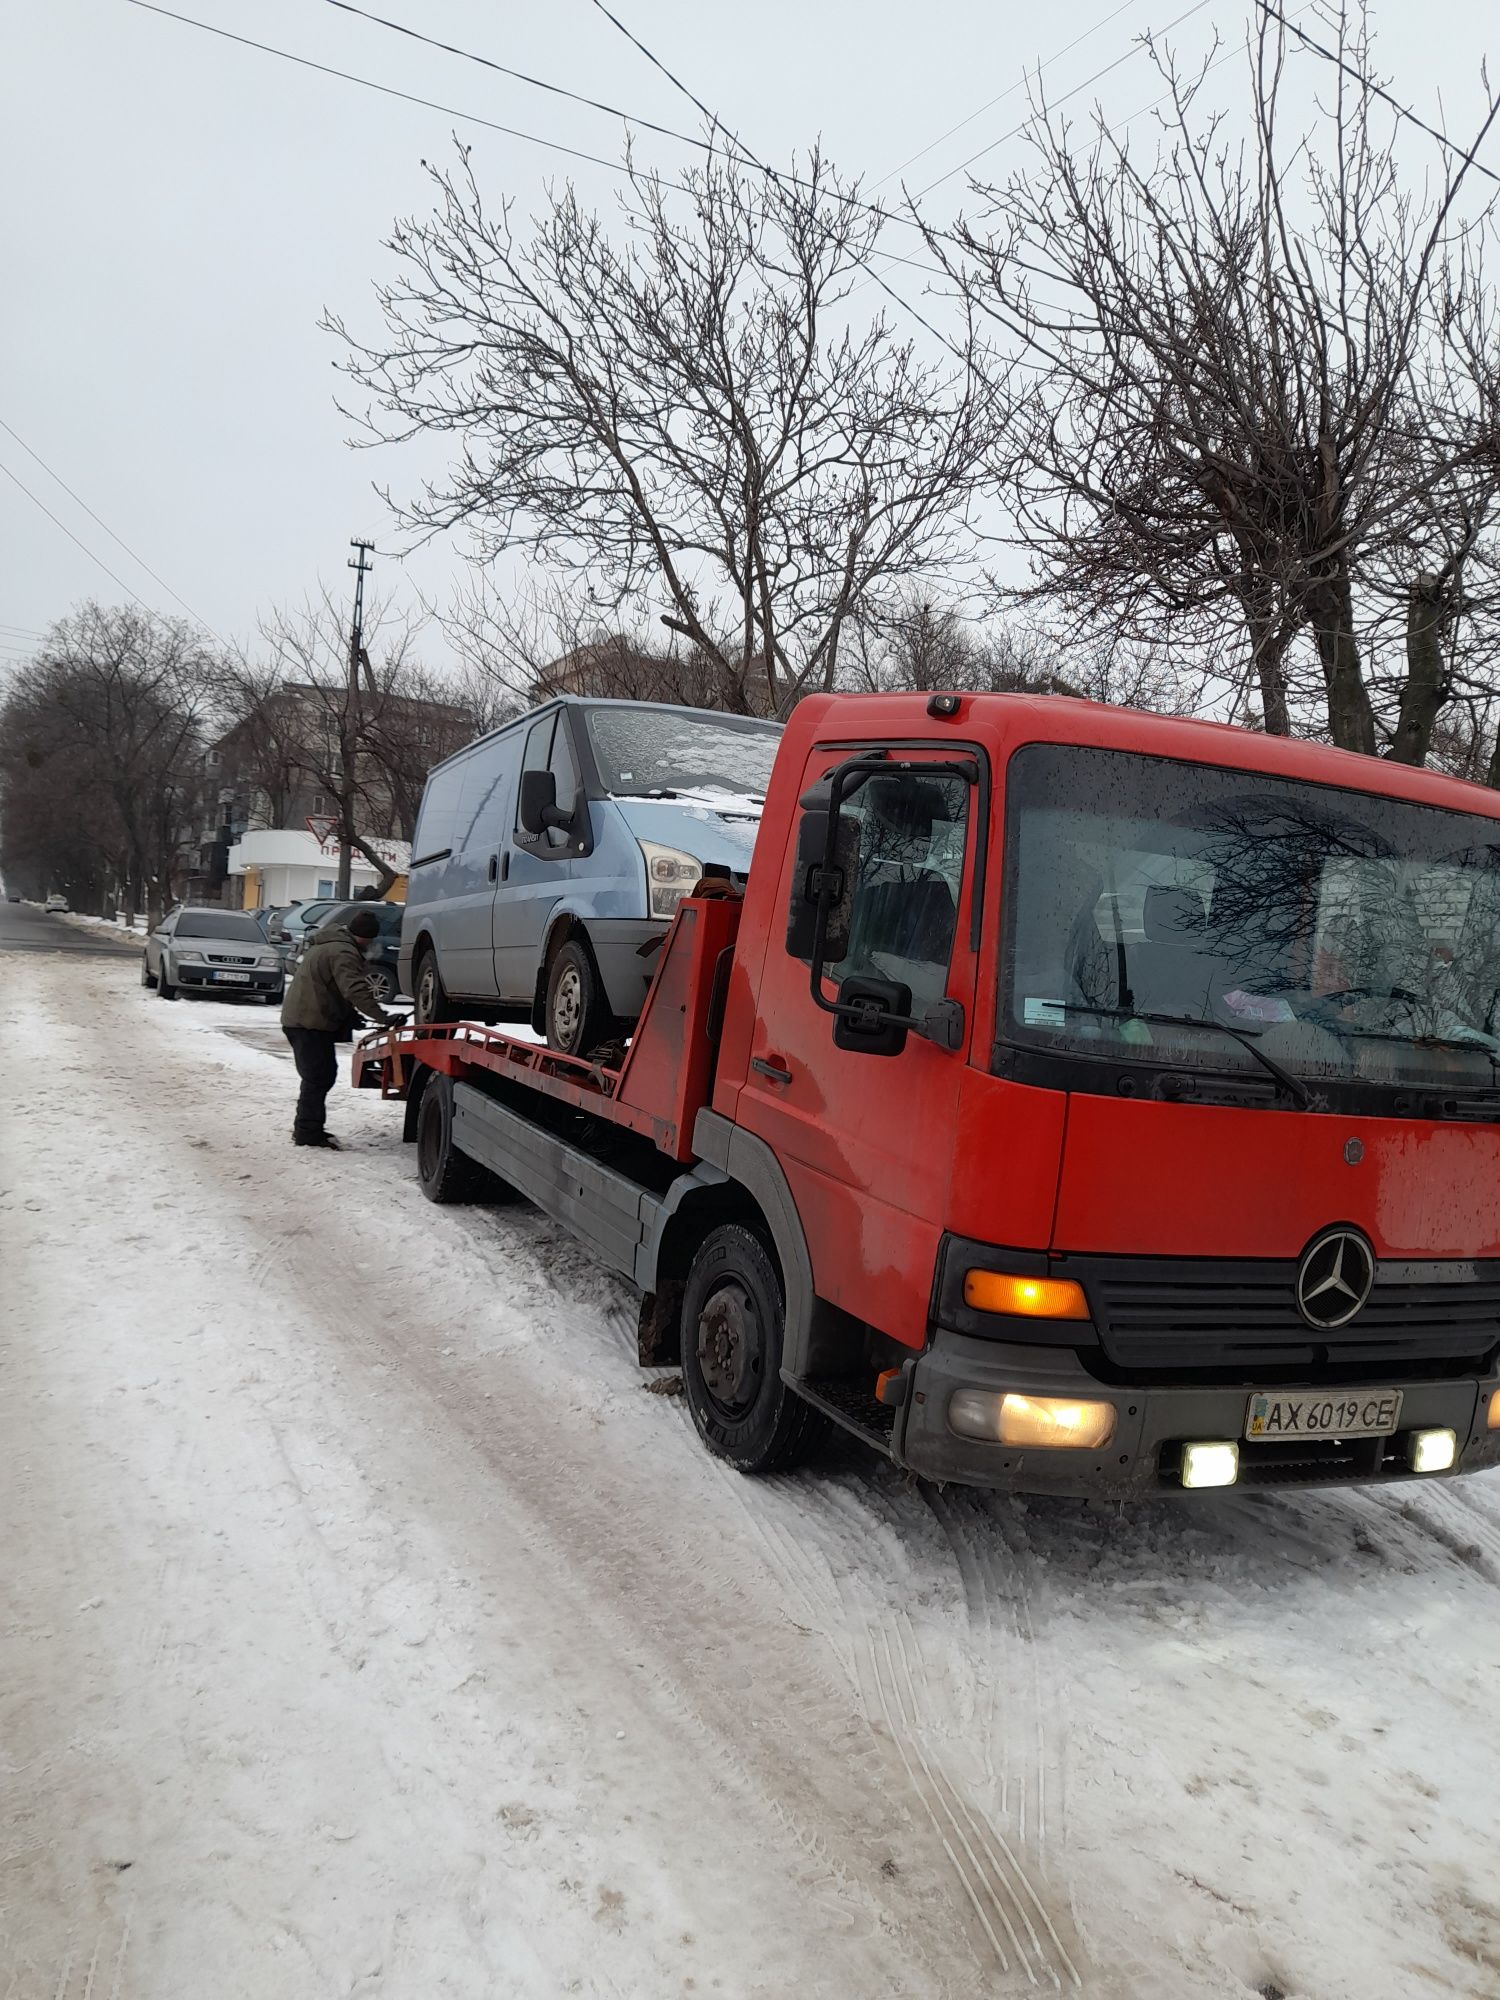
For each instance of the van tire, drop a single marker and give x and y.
(733, 1328)
(429, 995)
(576, 1013)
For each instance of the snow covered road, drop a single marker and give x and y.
(368, 1628)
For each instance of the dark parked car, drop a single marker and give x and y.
(383, 953)
(208, 950)
(287, 927)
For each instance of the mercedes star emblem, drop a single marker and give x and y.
(1334, 1279)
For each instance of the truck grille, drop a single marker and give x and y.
(1241, 1318)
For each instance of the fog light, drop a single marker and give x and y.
(1431, 1451)
(1028, 1298)
(1050, 1421)
(1210, 1464)
(1494, 1415)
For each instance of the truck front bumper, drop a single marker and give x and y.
(1152, 1423)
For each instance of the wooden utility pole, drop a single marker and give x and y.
(350, 734)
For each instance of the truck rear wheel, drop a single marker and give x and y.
(733, 1320)
(446, 1174)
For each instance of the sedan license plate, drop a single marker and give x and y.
(243, 978)
(1353, 1413)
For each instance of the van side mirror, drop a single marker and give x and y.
(802, 916)
(538, 808)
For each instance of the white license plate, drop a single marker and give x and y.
(1352, 1413)
(243, 978)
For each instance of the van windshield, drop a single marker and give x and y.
(1348, 935)
(650, 752)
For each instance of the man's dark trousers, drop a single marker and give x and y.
(318, 1067)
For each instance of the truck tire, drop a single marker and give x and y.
(576, 1009)
(429, 995)
(733, 1317)
(447, 1175)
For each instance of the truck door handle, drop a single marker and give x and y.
(773, 1071)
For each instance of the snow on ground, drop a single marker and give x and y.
(369, 1628)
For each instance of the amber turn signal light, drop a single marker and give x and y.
(1027, 1298)
(1493, 1418)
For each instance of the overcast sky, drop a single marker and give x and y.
(178, 210)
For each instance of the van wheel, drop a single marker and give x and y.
(576, 1009)
(733, 1325)
(431, 996)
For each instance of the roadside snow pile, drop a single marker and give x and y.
(370, 1630)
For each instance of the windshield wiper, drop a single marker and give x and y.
(1289, 1083)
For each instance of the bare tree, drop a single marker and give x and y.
(298, 722)
(688, 414)
(543, 639)
(1226, 445)
(104, 727)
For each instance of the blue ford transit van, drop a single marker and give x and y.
(550, 855)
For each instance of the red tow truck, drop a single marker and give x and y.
(1077, 1101)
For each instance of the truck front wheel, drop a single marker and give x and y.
(733, 1317)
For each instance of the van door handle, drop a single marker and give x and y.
(772, 1070)
(499, 867)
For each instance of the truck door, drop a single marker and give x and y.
(535, 868)
(867, 1141)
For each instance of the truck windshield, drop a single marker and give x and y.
(651, 752)
(1351, 936)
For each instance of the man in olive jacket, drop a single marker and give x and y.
(328, 994)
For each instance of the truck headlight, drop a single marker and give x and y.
(670, 874)
(1052, 1422)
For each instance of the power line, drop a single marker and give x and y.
(493, 125)
(556, 146)
(1376, 90)
(657, 63)
(519, 75)
(72, 537)
(80, 501)
(1016, 130)
(871, 274)
(1009, 91)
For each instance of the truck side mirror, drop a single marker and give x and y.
(538, 807)
(802, 917)
(873, 1016)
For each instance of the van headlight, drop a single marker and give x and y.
(670, 874)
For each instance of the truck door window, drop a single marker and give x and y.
(905, 907)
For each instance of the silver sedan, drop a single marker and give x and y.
(223, 952)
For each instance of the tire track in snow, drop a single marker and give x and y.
(995, 1855)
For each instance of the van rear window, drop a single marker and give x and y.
(437, 823)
